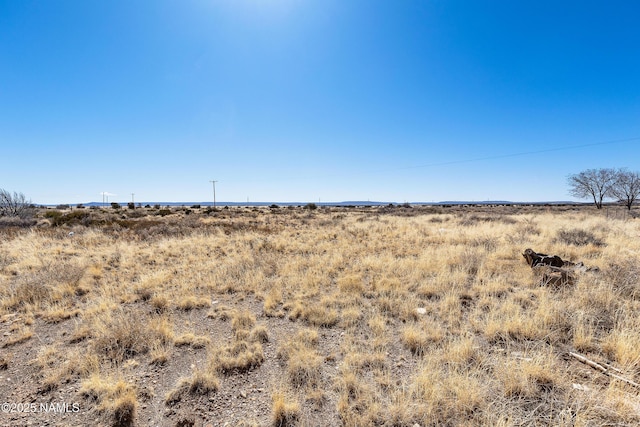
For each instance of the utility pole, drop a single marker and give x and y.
(214, 193)
(132, 194)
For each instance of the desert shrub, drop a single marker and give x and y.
(15, 204)
(164, 212)
(52, 214)
(123, 335)
(28, 290)
(57, 218)
(116, 399)
(240, 356)
(625, 278)
(528, 228)
(201, 382)
(42, 286)
(136, 213)
(285, 411)
(16, 222)
(311, 206)
(578, 237)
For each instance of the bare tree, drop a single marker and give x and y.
(15, 205)
(593, 183)
(627, 187)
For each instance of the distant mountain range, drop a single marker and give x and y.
(344, 203)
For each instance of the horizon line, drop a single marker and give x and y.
(319, 203)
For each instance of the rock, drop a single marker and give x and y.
(533, 259)
(421, 310)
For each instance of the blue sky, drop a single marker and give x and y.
(307, 100)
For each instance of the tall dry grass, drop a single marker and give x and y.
(427, 317)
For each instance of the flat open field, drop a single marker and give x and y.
(424, 316)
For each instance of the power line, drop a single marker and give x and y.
(504, 156)
(460, 161)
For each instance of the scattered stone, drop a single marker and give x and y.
(421, 310)
(243, 394)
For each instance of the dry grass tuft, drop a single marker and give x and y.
(285, 410)
(193, 341)
(239, 356)
(242, 320)
(578, 237)
(418, 338)
(121, 335)
(116, 399)
(191, 302)
(303, 362)
(202, 382)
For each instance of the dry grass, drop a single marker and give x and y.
(401, 316)
(116, 399)
(285, 410)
